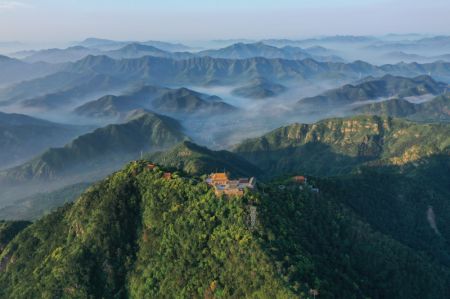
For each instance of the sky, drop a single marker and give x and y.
(184, 20)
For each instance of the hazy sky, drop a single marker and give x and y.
(69, 20)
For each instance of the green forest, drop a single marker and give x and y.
(137, 234)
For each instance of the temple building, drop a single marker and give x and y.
(223, 185)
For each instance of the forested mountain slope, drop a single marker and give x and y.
(105, 145)
(338, 145)
(140, 235)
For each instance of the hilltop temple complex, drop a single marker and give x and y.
(223, 185)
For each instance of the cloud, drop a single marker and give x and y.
(9, 5)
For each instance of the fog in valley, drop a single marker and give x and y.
(78, 102)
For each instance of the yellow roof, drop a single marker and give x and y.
(219, 176)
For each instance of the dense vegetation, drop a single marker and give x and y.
(139, 235)
(8, 230)
(337, 146)
(410, 204)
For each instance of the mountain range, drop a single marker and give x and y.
(22, 137)
(345, 143)
(350, 160)
(245, 51)
(181, 101)
(138, 50)
(14, 70)
(107, 45)
(104, 148)
(75, 53)
(396, 56)
(203, 71)
(85, 88)
(435, 110)
(375, 88)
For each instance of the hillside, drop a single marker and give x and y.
(337, 146)
(408, 203)
(259, 89)
(435, 110)
(198, 160)
(373, 88)
(138, 235)
(8, 230)
(22, 137)
(105, 146)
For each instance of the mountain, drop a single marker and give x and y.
(100, 148)
(159, 99)
(397, 56)
(89, 86)
(339, 41)
(393, 107)
(116, 106)
(340, 145)
(244, 51)
(108, 45)
(372, 89)
(434, 44)
(40, 86)
(136, 50)
(138, 234)
(22, 137)
(437, 109)
(259, 89)
(58, 89)
(72, 54)
(186, 101)
(58, 55)
(201, 70)
(204, 70)
(198, 160)
(13, 70)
